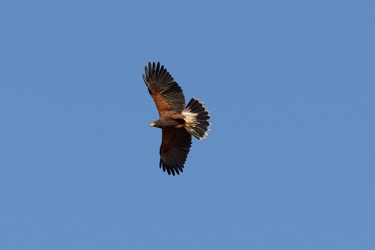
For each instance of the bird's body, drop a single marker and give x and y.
(178, 123)
(170, 121)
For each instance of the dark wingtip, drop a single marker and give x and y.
(171, 169)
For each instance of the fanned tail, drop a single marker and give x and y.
(198, 115)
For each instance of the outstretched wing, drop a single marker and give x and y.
(174, 149)
(167, 94)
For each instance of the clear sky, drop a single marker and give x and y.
(290, 160)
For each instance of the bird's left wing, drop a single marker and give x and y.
(174, 148)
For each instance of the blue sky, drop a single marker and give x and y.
(289, 163)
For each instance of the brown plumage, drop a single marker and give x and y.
(177, 122)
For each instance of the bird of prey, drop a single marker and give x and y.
(177, 121)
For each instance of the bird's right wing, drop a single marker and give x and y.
(167, 94)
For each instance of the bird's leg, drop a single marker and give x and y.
(178, 117)
(188, 123)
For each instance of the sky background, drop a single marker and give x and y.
(290, 159)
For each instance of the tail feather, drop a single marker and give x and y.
(199, 115)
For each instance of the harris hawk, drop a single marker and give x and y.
(177, 121)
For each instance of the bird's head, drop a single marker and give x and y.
(156, 124)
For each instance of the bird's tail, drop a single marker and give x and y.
(196, 119)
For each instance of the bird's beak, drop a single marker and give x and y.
(152, 124)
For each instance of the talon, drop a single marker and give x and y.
(189, 123)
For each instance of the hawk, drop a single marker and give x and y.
(177, 121)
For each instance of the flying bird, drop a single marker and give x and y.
(177, 121)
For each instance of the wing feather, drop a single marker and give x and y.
(167, 94)
(174, 149)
